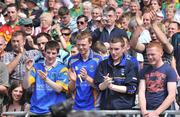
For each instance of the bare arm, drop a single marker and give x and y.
(162, 38)
(134, 40)
(169, 99)
(118, 88)
(72, 82)
(12, 65)
(142, 98)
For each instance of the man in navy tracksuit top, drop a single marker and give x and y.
(116, 79)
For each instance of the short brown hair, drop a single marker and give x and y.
(118, 39)
(84, 35)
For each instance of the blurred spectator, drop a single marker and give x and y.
(56, 17)
(2, 19)
(4, 83)
(96, 17)
(101, 49)
(12, 25)
(74, 50)
(175, 43)
(50, 5)
(3, 44)
(66, 20)
(46, 20)
(87, 9)
(126, 5)
(27, 27)
(16, 99)
(33, 12)
(77, 9)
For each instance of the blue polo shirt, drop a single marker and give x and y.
(85, 96)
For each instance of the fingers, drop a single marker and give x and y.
(42, 74)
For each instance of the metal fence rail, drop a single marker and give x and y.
(101, 112)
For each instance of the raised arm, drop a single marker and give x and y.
(162, 38)
(134, 40)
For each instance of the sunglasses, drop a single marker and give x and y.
(29, 25)
(66, 34)
(80, 22)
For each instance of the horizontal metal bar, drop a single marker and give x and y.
(103, 112)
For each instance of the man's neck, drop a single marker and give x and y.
(110, 27)
(159, 64)
(85, 56)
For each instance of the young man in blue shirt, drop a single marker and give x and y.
(82, 69)
(50, 80)
(116, 79)
(157, 88)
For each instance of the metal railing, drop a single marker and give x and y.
(100, 112)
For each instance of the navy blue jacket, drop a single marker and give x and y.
(104, 36)
(123, 74)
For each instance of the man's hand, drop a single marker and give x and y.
(107, 81)
(83, 73)
(72, 74)
(28, 64)
(42, 75)
(152, 114)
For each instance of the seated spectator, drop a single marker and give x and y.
(16, 98)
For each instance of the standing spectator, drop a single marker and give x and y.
(4, 83)
(116, 79)
(82, 71)
(16, 98)
(109, 30)
(157, 88)
(11, 26)
(50, 81)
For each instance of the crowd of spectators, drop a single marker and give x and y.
(104, 54)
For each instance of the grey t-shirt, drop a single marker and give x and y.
(4, 78)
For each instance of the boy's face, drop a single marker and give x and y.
(50, 56)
